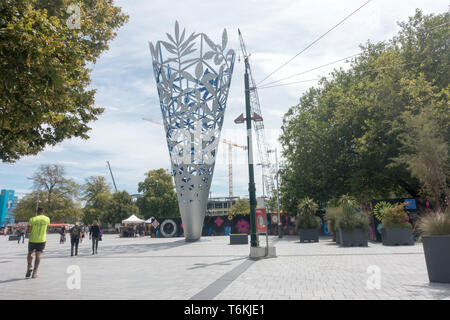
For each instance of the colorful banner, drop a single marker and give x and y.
(261, 221)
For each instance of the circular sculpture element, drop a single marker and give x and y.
(193, 76)
(168, 228)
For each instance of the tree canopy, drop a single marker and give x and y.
(159, 198)
(119, 207)
(344, 135)
(97, 194)
(45, 57)
(241, 206)
(58, 195)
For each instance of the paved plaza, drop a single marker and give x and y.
(211, 269)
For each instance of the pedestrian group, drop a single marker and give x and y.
(37, 230)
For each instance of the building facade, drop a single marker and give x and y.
(220, 206)
(8, 201)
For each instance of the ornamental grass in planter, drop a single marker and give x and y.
(435, 229)
(353, 224)
(396, 229)
(330, 217)
(306, 222)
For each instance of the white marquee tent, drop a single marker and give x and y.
(133, 220)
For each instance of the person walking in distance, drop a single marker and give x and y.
(75, 234)
(62, 233)
(94, 234)
(20, 235)
(37, 227)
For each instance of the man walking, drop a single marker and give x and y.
(37, 227)
(95, 235)
(75, 234)
(20, 235)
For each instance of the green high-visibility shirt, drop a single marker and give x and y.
(39, 226)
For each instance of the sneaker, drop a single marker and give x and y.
(34, 276)
(28, 273)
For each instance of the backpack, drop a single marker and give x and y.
(75, 232)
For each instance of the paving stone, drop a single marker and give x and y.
(167, 269)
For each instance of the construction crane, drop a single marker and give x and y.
(110, 171)
(230, 158)
(263, 148)
(230, 164)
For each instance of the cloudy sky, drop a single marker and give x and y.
(274, 31)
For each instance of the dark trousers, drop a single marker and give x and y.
(94, 244)
(74, 241)
(21, 236)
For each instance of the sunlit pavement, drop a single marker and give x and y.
(167, 269)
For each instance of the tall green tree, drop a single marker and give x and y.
(425, 154)
(46, 47)
(59, 195)
(64, 208)
(97, 194)
(119, 207)
(26, 207)
(343, 136)
(271, 203)
(242, 206)
(158, 195)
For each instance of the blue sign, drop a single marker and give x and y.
(7, 203)
(410, 204)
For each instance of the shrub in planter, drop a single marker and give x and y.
(352, 224)
(396, 230)
(330, 218)
(435, 231)
(306, 222)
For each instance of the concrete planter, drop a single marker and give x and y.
(310, 235)
(337, 235)
(354, 238)
(239, 238)
(397, 236)
(437, 257)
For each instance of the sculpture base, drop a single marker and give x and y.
(262, 252)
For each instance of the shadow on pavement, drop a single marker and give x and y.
(220, 263)
(12, 280)
(86, 249)
(438, 291)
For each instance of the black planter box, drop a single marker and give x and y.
(239, 238)
(13, 238)
(310, 235)
(397, 236)
(356, 237)
(337, 235)
(437, 257)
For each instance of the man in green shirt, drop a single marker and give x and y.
(37, 227)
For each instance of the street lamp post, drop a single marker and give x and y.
(280, 235)
(251, 186)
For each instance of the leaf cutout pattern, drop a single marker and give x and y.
(224, 39)
(193, 85)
